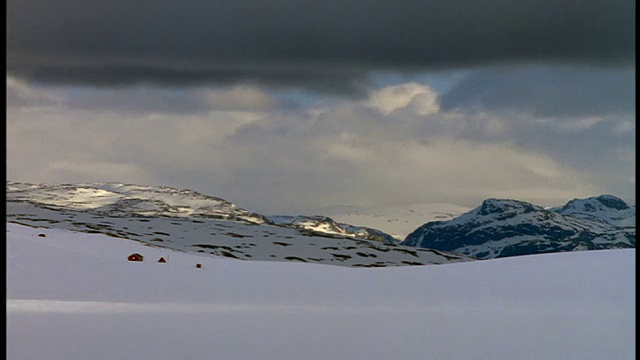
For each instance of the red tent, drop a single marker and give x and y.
(135, 257)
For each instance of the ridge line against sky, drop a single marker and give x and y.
(289, 106)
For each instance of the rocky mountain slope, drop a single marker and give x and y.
(115, 199)
(607, 208)
(326, 225)
(500, 228)
(188, 221)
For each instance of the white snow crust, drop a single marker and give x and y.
(74, 295)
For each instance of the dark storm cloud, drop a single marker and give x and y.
(319, 78)
(323, 44)
(546, 91)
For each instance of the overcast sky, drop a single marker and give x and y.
(290, 106)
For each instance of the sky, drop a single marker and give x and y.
(293, 106)
(552, 306)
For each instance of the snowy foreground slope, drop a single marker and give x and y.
(74, 295)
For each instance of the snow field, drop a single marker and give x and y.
(75, 296)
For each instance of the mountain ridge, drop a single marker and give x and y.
(496, 228)
(507, 227)
(187, 221)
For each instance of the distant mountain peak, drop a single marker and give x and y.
(505, 227)
(499, 206)
(595, 203)
(321, 224)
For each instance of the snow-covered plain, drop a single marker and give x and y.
(75, 296)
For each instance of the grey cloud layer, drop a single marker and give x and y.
(382, 150)
(325, 45)
(546, 91)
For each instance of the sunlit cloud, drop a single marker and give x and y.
(421, 99)
(397, 146)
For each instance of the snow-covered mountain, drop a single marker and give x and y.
(192, 222)
(121, 200)
(601, 208)
(325, 225)
(500, 228)
(115, 199)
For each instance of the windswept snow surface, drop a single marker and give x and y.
(74, 295)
